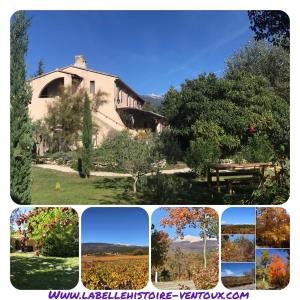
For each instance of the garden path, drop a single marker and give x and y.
(66, 169)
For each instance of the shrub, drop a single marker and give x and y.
(258, 149)
(201, 153)
(56, 246)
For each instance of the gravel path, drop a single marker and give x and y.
(244, 287)
(174, 285)
(66, 169)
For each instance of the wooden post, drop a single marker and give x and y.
(218, 180)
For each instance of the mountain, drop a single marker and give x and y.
(193, 244)
(105, 248)
(153, 99)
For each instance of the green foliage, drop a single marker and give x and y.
(21, 141)
(168, 147)
(275, 189)
(132, 155)
(258, 149)
(60, 247)
(64, 120)
(55, 230)
(86, 138)
(226, 108)
(262, 58)
(272, 25)
(201, 153)
(40, 68)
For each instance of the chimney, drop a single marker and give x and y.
(80, 61)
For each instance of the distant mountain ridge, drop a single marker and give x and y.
(193, 244)
(105, 248)
(155, 100)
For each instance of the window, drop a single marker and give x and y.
(92, 87)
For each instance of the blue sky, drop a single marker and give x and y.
(149, 50)
(235, 269)
(159, 214)
(118, 225)
(239, 215)
(282, 253)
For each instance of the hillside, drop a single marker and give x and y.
(154, 100)
(106, 248)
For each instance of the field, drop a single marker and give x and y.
(119, 272)
(238, 229)
(237, 281)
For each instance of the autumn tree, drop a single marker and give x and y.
(204, 219)
(264, 260)
(277, 271)
(54, 229)
(21, 141)
(272, 227)
(160, 243)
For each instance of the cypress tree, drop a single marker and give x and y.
(40, 68)
(21, 141)
(86, 138)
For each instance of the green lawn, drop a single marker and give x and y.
(167, 189)
(29, 272)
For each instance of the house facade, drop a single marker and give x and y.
(123, 107)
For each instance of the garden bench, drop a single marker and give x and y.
(231, 182)
(250, 169)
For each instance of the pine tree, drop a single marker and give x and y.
(86, 138)
(21, 141)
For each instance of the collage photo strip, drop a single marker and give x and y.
(155, 157)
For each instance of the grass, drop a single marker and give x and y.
(167, 189)
(28, 272)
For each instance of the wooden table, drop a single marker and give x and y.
(249, 169)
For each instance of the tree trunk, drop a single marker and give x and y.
(156, 276)
(204, 249)
(135, 180)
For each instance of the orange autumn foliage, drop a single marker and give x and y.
(277, 271)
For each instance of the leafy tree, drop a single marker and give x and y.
(264, 261)
(264, 59)
(201, 153)
(205, 219)
(21, 141)
(227, 107)
(277, 271)
(134, 155)
(40, 68)
(160, 243)
(64, 117)
(272, 227)
(272, 25)
(87, 138)
(55, 230)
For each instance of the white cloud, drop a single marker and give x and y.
(227, 272)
